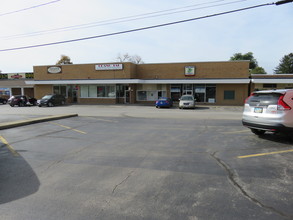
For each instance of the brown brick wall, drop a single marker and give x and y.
(204, 70)
(241, 93)
(84, 71)
(41, 90)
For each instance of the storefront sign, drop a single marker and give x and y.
(109, 66)
(189, 70)
(16, 76)
(54, 69)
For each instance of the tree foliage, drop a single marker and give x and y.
(286, 65)
(253, 65)
(247, 56)
(258, 70)
(128, 58)
(64, 60)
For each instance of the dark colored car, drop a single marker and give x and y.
(3, 100)
(51, 100)
(21, 100)
(164, 102)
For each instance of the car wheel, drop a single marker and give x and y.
(50, 104)
(4, 102)
(257, 131)
(12, 105)
(40, 105)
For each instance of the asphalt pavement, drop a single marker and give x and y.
(20, 116)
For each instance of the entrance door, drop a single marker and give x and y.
(127, 97)
(187, 89)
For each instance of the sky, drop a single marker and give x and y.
(266, 31)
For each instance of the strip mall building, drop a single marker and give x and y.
(219, 83)
(222, 83)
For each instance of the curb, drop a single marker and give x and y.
(14, 124)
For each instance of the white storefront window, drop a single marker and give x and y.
(98, 91)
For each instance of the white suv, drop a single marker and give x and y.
(270, 110)
(186, 101)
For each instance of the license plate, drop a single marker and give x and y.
(186, 103)
(258, 109)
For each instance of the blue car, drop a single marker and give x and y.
(164, 102)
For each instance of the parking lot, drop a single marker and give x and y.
(139, 162)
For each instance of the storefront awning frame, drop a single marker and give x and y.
(272, 81)
(138, 81)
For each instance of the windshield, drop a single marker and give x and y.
(190, 98)
(47, 97)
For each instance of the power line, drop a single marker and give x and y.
(124, 19)
(29, 8)
(138, 29)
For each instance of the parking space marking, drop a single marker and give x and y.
(63, 126)
(264, 154)
(105, 120)
(10, 148)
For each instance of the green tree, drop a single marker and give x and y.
(258, 70)
(253, 65)
(286, 65)
(64, 60)
(247, 56)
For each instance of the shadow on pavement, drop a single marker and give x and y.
(17, 179)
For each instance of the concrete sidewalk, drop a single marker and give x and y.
(17, 123)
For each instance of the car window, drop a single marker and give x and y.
(187, 98)
(263, 99)
(47, 97)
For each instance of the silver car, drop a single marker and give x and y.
(270, 110)
(186, 101)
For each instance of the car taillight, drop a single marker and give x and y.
(282, 105)
(248, 98)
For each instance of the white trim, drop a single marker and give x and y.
(196, 81)
(83, 82)
(276, 81)
(140, 81)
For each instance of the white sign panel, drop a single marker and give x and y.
(189, 71)
(16, 76)
(109, 66)
(54, 69)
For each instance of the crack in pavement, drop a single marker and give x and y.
(234, 179)
(124, 180)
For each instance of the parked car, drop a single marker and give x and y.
(270, 110)
(51, 100)
(164, 102)
(3, 100)
(186, 101)
(21, 100)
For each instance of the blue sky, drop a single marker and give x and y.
(266, 31)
